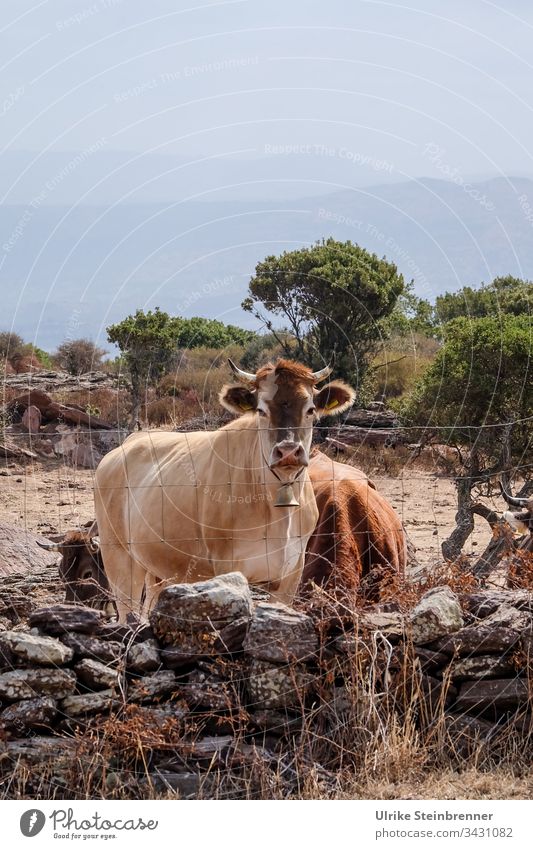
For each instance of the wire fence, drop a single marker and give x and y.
(47, 495)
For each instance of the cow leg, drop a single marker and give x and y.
(153, 587)
(126, 578)
(288, 586)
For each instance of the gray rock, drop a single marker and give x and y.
(208, 691)
(76, 706)
(28, 683)
(65, 618)
(508, 616)
(201, 609)
(478, 639)
(95, 648)
(31, 713)
(162, 713)
(481, 666)
(153, 686)
(390, 624)
(271, 686)
(464, 733)
(276, 722)
(499, 694)
(484, 602)
(96, 675)
(37, 751)
(437, 614)
(278, 633)
(144, 657)
(42, 651)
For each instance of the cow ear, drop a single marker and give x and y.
(238, 399)
(334, 398)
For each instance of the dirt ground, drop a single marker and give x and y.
(50, 497)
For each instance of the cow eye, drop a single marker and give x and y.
(311, 410)
(87, 575)
(261, 412)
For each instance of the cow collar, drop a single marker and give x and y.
(285, 496)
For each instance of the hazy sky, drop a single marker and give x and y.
(216, 110)
(381, 80)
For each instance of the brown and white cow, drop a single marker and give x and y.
(183, 507)
(359, 541)
(81, 568)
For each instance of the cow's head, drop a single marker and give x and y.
(521, 521)
(81, 568)
(287, 403)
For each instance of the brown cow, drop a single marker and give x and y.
(81, 569)
(182, 507)
(359, 540)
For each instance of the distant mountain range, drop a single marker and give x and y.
(68, 269)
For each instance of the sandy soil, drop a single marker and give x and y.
(49, 497)
(427, 504)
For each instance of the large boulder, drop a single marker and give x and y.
(206, 617)
(437, 614)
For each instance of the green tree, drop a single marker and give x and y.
(482, 377)
(504, 295)
(334, 297)
(147, 342)
(209, 333)
(478, 393)
(78, 356)
(410, 315)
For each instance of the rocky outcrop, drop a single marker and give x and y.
(19, 551)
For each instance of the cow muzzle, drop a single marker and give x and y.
(288, 455)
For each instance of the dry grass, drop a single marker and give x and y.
(446, 783)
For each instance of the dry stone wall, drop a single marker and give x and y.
(220, 677)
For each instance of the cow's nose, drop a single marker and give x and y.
(288, 454)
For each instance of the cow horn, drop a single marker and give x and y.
(322, 374)
(245, 376)
(48, 546)
(511, 500)
(94, 544)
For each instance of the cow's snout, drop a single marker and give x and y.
(289, 453)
